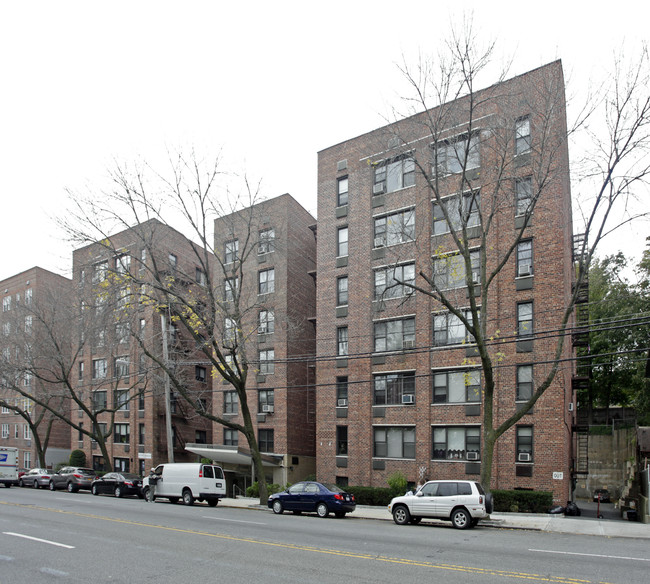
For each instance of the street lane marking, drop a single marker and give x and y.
(233, 520)
(70, 547)
(591, 555)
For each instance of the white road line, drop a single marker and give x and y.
(591, 555)
(232, 520)
(70, 547)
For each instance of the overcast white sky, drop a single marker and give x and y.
(270, 83)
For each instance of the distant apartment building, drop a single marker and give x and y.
(31, 303)
(399, 382)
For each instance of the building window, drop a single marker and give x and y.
(456, 386)
(394, 228)
(342, 341)
(449, 272)
(200, 437)
(265, 440)
(393, 282)
(230, 402)
(267, 358)
(28, 325)
(173, 261)
(457, 443)
(80, 432)
(122, 332)
(6, 304)
(525, 258)
(27, 434)
(524, 444)
(342, 242)
(5, 430)
(121, 433)
(27, 459)
(525, 319)
(342, 392)
(394, 442)
(265, 401)
(524, 382)
(342, 291)
(6, 328)
(123, 264)
(99, 368)
(81, 370)
(27, 381)
(141, 434)
(341, 440)
(100, 271)
(231, 288)
(394, 335)
(522, 135)
(230, 437)
(98, 463)
(200, 373)
(457, 154)
(266, 281)
(266, 322)
(267, 241)
(121, 464)
(460, 210)
(121, 367)
(200, 277)
(342, 191)
(394, 389)
(122, 400)
(231, 251)
(523, 195)
(448, 329)
(393, 175)
(99, 400)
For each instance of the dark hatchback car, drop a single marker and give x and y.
(309, 497)
(72, 478)
(120, 484)
(603, 495)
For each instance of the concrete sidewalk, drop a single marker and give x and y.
(540, 522)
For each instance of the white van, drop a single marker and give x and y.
(189, 481)
(8, 466)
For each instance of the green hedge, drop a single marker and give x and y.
(372, 495)
(522, 501)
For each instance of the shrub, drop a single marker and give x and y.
(77, 458)
(522, 501)
(254, 490)
(398, 483)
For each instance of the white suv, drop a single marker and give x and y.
(461, 502)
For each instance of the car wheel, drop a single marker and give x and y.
(94, 490)
(401, 515)
(36, 485)
(20, 483)
(489, 503)
(340, 514)
(415, 520)
(188, 499)
(461, 519)
(213, 502)
(52, 487)
(278, 509)
(118, 492)
(322, 510)
(71, 488)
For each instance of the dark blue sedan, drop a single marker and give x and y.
(309, 497)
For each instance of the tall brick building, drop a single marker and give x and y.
(399, 382)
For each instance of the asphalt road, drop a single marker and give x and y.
(61, 537)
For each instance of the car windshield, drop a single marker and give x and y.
(86, 472)
(480, 489)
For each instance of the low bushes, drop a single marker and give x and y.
(522, 501)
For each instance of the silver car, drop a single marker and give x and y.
(37, 478)
(72, 478)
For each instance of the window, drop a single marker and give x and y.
(141, 399)
(27, 459)
(230, 437)
(123, 264)
(231, 251)
(28, 325)
(392, 282)
(342, 291)
(6, 304)
(525, 319)
(121, 367)
(456, 443)
(231, 289)
(27, 435)
(200, 437)
(394, 389)
(265, 440)
(230, 402)
(457, 154)
(342, 242)
(524, 382)
(99, 400)
(456, 386)
(342, 391)
(522, 135)
(200, 373)
(99, 368)
(28, 297)
(395, 335)
(81, 370)
(341, 440)
(449, 271)
(5, 430)
(267, 365)
(229, 332)
(394, 442)
(461, 211)
(200, 277)
(266, 281)
(122, 332)
(266, 322)
(121, 464)
(342, 341)
(80, 432)
(525, 258)
(143, 259)
(173, 261)
(141, 434)
(6, 328)
(27, 381)
(100, 271)
(524, 443)
(523, 195)
(342, 191)
(395, 228)
(267, 241)
(265, 401)
(122, 401)
(448, 329)
(395, 174)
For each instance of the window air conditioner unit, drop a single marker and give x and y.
(523, 457)
(261, 330)
(524, 269)
(476, 277)
(379, 242)
(472, 456)
(408, 399)
(409, 344)
(342, 403)
(570, 406)
(267, 409)
(379, 188)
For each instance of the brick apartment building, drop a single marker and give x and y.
(399, 382)
(30, 301)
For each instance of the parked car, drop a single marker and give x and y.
(72, 478)
(463, 503)
(603, 495)
(309, 497)
(37, 478)
(120, 484)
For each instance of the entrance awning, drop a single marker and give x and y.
(232, 454)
